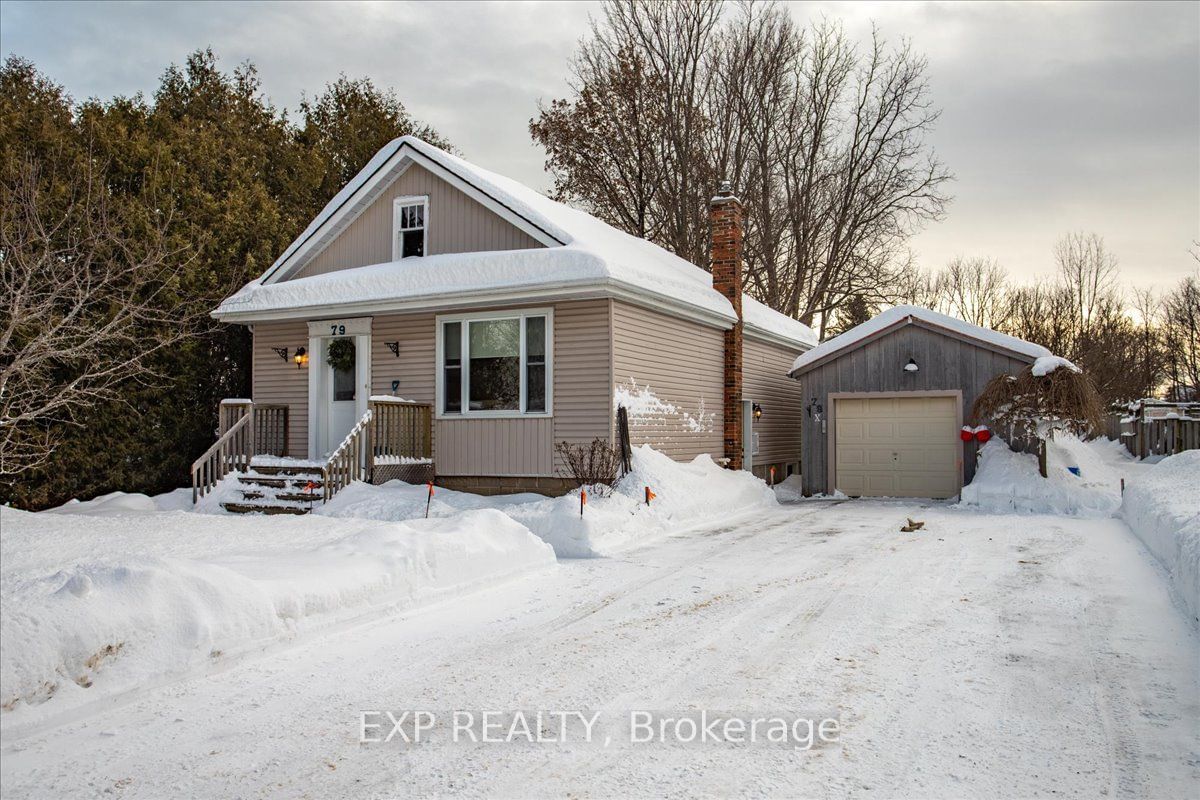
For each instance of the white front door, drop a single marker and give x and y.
(339, 381)
(340, 390)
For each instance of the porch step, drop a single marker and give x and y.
(287, 470)
(250, 508)
(316, 497)
(282, 481)
(278, 489)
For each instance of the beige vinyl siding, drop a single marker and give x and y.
(456, 224)
(765, 381)
(277, 381)
(495, 447)
(682, 363)
(414, 367)
(582, 373)
(505, 447)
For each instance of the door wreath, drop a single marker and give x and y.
(340, 354)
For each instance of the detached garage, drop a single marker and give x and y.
(885, 401)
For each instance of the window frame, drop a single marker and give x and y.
(465, 381)
(402, 202)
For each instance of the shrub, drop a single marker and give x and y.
(592, 464)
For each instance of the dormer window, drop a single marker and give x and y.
(410, 216)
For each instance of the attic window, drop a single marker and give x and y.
(410, 218)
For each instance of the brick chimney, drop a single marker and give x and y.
(725, 215)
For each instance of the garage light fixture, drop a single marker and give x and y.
(757, 409)
(911, 366)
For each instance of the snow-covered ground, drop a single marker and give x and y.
(988, 654)
(102, 604)
(978, 657)
(1162, 506)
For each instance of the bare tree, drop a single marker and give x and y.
(1088, 270)
(975, 290)
(1181, 334)
(82, 312)
(825, 144)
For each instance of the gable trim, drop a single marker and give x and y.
(921, 323)
(315, 242)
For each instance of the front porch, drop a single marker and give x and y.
(393, 439)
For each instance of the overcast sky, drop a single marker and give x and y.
(1056, 117)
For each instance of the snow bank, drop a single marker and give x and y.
(1006, 481)
(111, 604)
(121, 503)
(686, 494)
(1162, 506)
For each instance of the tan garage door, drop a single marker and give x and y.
(896, 446)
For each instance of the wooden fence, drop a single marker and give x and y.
(1154, 437)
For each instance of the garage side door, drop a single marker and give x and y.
(896, 446)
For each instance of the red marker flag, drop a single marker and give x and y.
(772, 476)
(428, 499)
(649, 495)
(582, 500)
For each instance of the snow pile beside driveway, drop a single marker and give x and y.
(685, 495)
(1162, 506)
(1007, 482)
(103, 605)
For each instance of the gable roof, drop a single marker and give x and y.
(582, 257)
(898, 317)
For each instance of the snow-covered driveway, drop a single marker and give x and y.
(984, 656)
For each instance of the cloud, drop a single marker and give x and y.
(1056, 117)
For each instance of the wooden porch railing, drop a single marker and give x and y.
(349, 462)
(244, 430)
(230, 453)
(391, 431)
(401, 429)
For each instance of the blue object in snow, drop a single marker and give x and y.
(1075, 471)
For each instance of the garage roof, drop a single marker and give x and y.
(900, 316)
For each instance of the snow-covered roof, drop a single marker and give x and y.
(582, 255)
(902, 315)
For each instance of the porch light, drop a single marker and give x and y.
(757, 411)
(911, 366)
(301, 357)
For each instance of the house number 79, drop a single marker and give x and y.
(337, 330)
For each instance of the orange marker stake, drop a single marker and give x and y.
(649, 495)
(428, 499)
(582, 500)
(772, 476)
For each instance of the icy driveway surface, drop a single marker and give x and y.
(987, 656)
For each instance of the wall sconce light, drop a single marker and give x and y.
(394, 347)
(757, 411)
(301, 357)
(282, 352)
(911, 366)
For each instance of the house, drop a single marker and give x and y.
(438, 315)
(884, 403)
